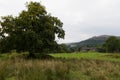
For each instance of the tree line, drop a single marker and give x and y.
(112, 45)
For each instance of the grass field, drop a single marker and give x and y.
(74, 66)
(89, 55)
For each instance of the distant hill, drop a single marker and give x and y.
(91, 42)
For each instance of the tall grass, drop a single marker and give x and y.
(20, 69)
(59, 69)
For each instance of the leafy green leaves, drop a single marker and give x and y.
(33, 30)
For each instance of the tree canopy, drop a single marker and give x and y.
(112, 44)
(34, 30)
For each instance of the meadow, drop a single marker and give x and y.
(89, 55)
(73, 66)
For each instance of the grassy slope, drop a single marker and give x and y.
(89, 55)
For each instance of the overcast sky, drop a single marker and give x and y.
(82, 18)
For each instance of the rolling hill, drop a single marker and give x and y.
(91, 42)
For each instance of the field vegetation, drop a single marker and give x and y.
(89, 55)
(81, 66)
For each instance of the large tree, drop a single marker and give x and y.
(34, 30)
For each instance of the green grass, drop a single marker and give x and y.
(73, 66)
(89, 55)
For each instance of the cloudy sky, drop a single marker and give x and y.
(82, 18)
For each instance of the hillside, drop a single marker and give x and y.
(91, 42)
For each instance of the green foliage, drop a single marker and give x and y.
(33, 30)
(62, 48)
(112, 45)
(101, 48)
